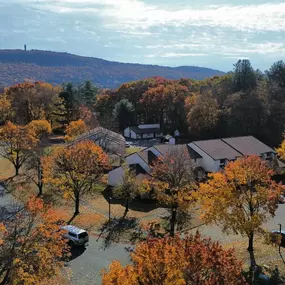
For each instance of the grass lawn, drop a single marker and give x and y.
(6, 169)
(132, 150)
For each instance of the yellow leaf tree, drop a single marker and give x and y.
(75, 129)
(17, 141)
(42, 128)
(281, 150)
(32, 245)
(173, 182)
(75, 170)
(241, 198)
(178, 261)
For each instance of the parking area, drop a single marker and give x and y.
(87, 264)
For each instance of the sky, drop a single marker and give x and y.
(205, 33)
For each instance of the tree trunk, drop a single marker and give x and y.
(17, 170)
(40, 179)
(40, 188)
(252, 259)
(173, 221)
(17, 165)
(126, 208)
(77, 202)
(250, 243)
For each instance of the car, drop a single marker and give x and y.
(75, 235)
(281, 199)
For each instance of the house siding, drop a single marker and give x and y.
(128, 133)
(207, 162)
(136, 159)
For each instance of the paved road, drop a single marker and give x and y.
(216, 233)
(87, 266)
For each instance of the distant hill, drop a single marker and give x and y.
(57, 68)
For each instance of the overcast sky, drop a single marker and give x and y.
(168, 32)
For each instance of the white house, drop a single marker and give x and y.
(141, 161)
(205, 156)
(214, 153)
(143, 132)
(217, 153)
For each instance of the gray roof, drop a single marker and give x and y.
(143, 155)
(217, 149)
(168, 148)
(248, 145)
(73, 229)
(99, 133)
(138, 130)
(108, 140)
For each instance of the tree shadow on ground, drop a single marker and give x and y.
(115, 229)
(139, 205)
(280, 253)
(74, 252)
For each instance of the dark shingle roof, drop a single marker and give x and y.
(137, 130)
(217, 149)
(248, 145)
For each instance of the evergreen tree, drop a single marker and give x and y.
(244, 76)
(71, 105)
(124, 113)
(89, 93)
(277, 73)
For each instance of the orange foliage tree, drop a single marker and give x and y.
(241, 198)
(203, 114)
(75, 170)
(165, 103)
(32, 245)
(173, 182)
(191, 260)
(75, 129)
(17, 141)
(33, 101)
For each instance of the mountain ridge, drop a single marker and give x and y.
(59, 67)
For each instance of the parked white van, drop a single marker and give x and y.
(76, 236)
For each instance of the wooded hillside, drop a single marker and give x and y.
(57, 68)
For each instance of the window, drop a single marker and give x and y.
(72, 234)
(83, 235)
(222, 162)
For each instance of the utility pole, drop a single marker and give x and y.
(280, 230)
